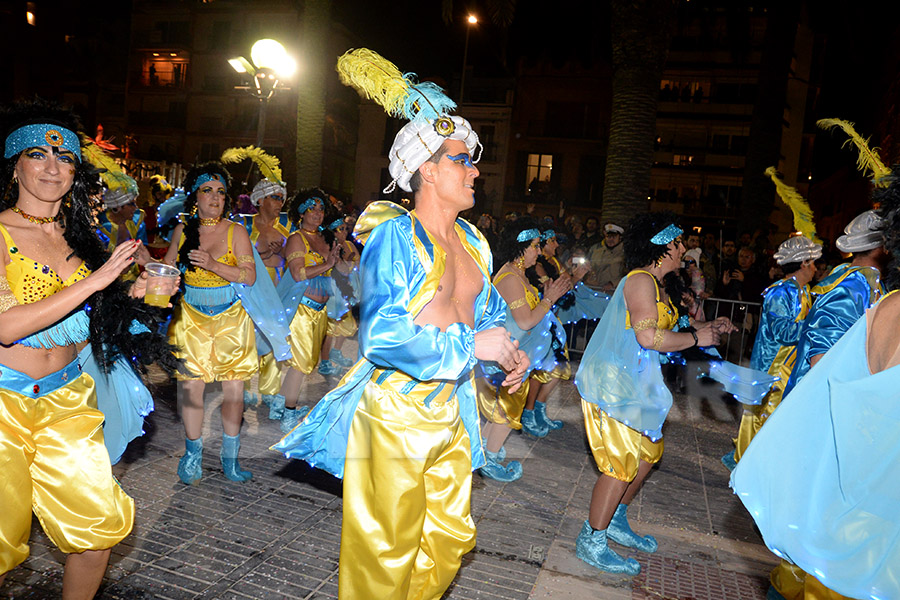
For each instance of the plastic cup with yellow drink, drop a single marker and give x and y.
(160, 278)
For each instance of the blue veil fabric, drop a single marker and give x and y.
(622, 377)
(833, 507)
(262, 303)
(588, 304)
(123, 399)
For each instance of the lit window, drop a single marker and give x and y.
(538, 170)
(29, 13)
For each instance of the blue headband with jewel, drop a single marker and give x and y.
(309, 203)
(42, 134)
(206, 178)
(549, 234)
(528, 234)
(337, 223)
(666, 235)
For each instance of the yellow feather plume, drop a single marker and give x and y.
(111, 173)
(868, 157)
(268, 164)
(803, 215)
(376, 77)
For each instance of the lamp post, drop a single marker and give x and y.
(470, 20)
(270, 65)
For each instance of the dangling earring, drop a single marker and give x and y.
(67, 200)
(194, 210)
(520, 262)
(658, 262)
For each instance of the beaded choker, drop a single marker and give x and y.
(210, 222)
(34, 219)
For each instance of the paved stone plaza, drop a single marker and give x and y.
(278, 535)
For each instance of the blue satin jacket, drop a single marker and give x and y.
(780, 321)
(841, 299)
(400, 267)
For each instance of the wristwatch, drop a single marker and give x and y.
(696, 341)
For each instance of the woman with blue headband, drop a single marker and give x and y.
(529, 320)
(61, 296)
(346, 276)
(577, 304)
(624, 398)
(211, 327)
(305, 291)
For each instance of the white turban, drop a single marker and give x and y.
(418, 140)
(117, 197)
(264, 188)
(862, 233)
(797, 249)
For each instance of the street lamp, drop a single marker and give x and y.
(270, 65)
(470, 20)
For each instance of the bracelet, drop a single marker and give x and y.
(297, 254)
(516, 304)
(7, 301)
(245, 258)
(696, 341)
(242, 277)
(657, 340)
(644, 324)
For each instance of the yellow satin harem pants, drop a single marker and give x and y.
(218, 347)
(499, 406)
(307, 334)
(407, 485)
(617, 449)
(54, 463)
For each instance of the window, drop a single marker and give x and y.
(537, 172)
(486, 137)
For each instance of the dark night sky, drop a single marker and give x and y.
(859, 59)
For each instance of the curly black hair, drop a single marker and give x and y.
(889, 200)
(111, 310)
(191, 230)
(508, 247)
(639, 250)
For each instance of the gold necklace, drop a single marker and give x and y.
(210, 222)
(34, 219)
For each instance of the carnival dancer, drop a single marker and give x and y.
(214, 333)
(844, 295)
(402, 426)
(122, 220)
(269, 229)
(346, 276)
(305, 290)
(625, 400)
(530, 321)
(785, 304)
(59, 290)
(832, 509)
(577, 304)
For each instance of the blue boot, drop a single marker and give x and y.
(532, 426)
(494, 470)
(620, 532)
(292, 418)
(591, 548)
(728, 461)
(339, 359)
(275, 402)
(250, 400)
(540, 411)
(190, 467)
(231, 445)
(328, 368)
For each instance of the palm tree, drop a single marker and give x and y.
(311, 92)
(641, 33)
(764, 142)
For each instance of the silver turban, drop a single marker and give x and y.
(418, 140)
(797, 249)
(264, 188)
(862, 233)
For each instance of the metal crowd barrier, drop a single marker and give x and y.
(735, 347)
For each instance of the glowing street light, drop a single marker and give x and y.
(470, 20)
(270, 65)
